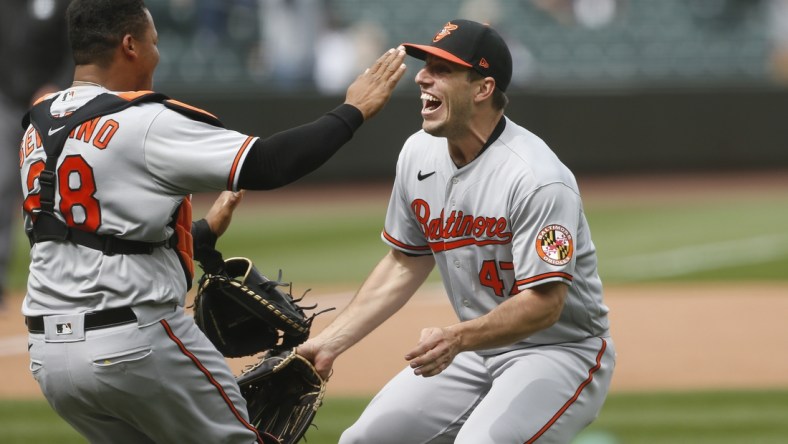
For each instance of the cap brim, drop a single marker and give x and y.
(421, 51)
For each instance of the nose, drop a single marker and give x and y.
(422, 77)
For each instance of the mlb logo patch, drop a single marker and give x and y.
(64, 328)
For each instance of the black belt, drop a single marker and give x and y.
(93, 320)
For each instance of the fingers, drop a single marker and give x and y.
(420, 350)
(227, 201)
(373, 88)
(430, 363)
(426, 359)
(389, 64)
(431, 370)
(435, 351)
(312, 353)
(233, 198)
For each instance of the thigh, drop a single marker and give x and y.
(163, 383)
(412, 409)
(201, 401)
(67, 376)
(545, 395)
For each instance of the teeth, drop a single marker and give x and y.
(430, 97)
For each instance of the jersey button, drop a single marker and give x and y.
(455, 181)
(466, 302)
(457, 264)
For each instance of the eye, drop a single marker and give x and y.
(439, 68)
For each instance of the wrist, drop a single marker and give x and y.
(455, 332)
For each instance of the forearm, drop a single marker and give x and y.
(390, 285)
(289, 155)
(529, 312)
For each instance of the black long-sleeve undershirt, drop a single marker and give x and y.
(291, 154)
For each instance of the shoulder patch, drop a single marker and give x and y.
(555, 245)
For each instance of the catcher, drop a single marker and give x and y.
(243, 313)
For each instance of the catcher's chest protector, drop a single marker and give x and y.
(54, 131)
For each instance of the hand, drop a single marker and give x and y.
(221, 212)
(372, 89)
(435, 351)
(321, 359)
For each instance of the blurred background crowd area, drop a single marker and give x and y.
(615, 86)
(292, 46)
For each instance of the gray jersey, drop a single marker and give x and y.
(135, 201)
(509, 220)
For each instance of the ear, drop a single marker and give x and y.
(129, 46)
(485, 88)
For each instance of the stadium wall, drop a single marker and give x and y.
(594, 133)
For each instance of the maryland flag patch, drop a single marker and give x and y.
(554, 245)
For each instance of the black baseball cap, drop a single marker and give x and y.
(470, 44)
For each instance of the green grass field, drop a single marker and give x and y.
(736, 238)
(667, 418)
(741, 238)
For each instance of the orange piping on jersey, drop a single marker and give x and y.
(193, 108)
(131, 95)
(405, 246)
(573, 398)
(237, 162)
(42, 98)
(437, 247)
(543, 276)
(210, 377)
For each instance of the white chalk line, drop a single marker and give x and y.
(675, 262)
(13, 345)
(429, 294)
(699, 257)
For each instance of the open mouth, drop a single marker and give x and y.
(430, 102)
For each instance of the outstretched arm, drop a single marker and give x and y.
(390, 285)
(289, 155)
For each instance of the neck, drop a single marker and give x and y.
(85, 83)
(465, 147)
(109, 77)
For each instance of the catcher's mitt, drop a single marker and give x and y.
(243, 312)
(283, 392)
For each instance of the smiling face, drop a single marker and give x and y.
(447, 97)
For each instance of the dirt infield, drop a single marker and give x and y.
(668, 337)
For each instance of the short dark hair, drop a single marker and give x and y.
(499, 99)
(97, 27)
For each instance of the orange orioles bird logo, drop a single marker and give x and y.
(554, 245)
(447, 29)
